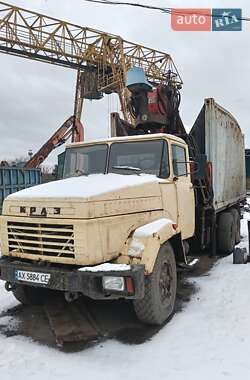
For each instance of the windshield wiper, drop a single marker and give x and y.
(124, 167)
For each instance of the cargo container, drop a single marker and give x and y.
(13, 179)
(219, 137)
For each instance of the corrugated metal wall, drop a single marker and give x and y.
(14, 179)
(219, 136)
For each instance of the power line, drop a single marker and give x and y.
(108, 2)
(162, 9)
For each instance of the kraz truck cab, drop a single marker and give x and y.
(114, 227)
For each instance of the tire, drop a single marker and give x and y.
(236, 216)
(28, 295)
(226, 233)
(160, 289)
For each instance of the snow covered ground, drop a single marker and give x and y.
(209, 339)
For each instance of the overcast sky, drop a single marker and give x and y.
(36, 98)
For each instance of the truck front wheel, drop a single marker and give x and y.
(160, 289)
(28, 295)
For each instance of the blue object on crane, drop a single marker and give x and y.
(137, 80)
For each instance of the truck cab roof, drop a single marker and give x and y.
(111, 140)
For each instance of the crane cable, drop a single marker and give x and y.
(162, 9)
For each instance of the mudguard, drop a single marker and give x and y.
(145, 242)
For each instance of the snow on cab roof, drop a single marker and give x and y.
(155, 136)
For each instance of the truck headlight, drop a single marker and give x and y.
(113, 283)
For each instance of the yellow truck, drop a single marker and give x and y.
(127, 212)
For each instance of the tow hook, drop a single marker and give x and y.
(9, 286)
(70, 296)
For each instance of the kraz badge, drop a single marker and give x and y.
(40, 211)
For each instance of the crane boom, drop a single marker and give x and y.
(70, 127)
(36, 36)
(101, 59)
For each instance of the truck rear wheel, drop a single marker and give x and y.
(226, 233)
(160, 289)
(236, 216)
(28, 295)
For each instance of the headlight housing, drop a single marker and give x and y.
(113, 283)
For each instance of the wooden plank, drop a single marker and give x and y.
(67, 322)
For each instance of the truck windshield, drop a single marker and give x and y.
(149, 157)
(85, 160)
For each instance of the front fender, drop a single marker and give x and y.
(146, 240)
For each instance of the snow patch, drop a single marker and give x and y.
(107, 267)
(82, 186)
(152, 228)
(136, 248)
(9, 323)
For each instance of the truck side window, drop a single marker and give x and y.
(179, 160)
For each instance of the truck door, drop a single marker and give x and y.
(184, 190)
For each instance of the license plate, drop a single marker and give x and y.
(35, 277)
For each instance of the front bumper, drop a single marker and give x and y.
(75, 281)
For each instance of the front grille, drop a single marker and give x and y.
(41, 239)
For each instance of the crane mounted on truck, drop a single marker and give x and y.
(130, 208)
